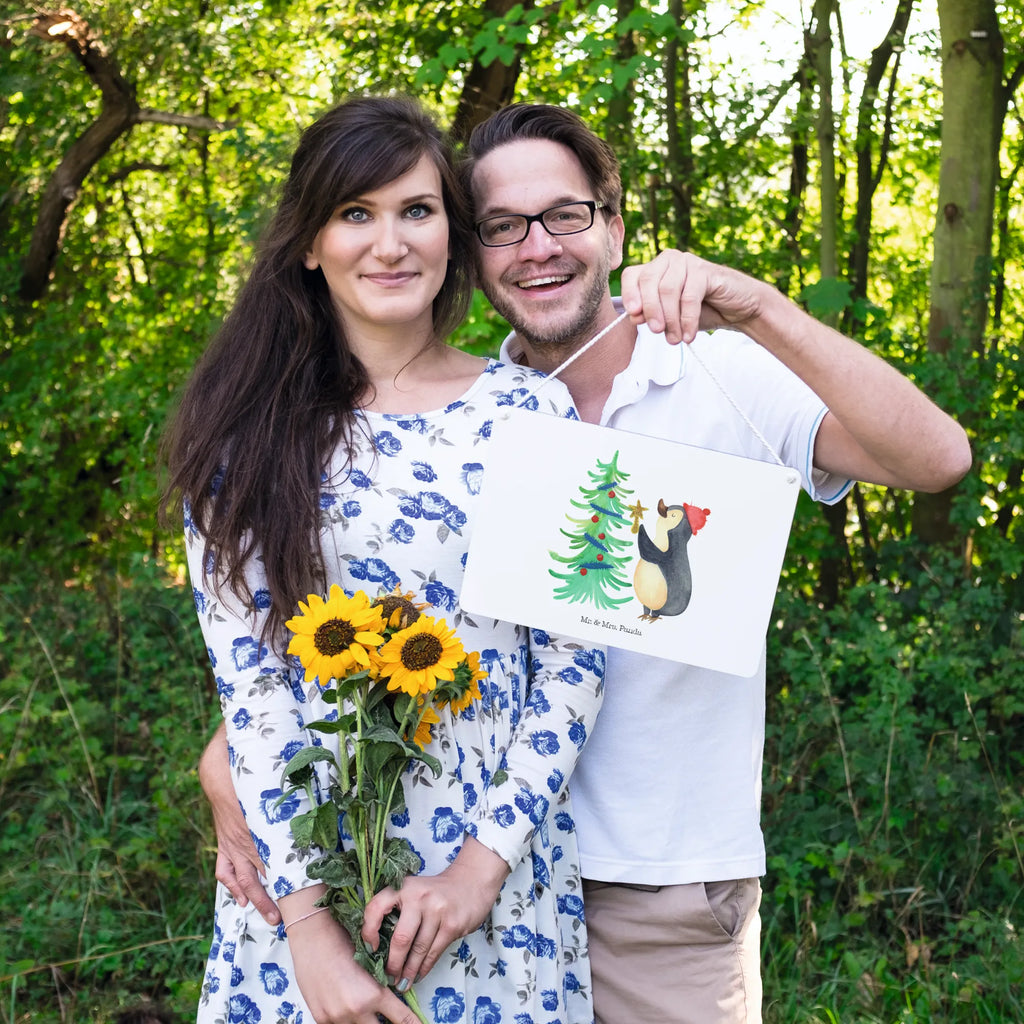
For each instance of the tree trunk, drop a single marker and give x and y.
(117, 115)
(869, 171)
(972, 112)
(487, 89)
(819, 53)
(679, 130)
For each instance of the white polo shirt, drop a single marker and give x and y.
(668, 788)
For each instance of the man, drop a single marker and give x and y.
(666, 794)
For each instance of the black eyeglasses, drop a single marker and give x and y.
(564, 219)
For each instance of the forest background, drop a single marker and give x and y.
(865, 157)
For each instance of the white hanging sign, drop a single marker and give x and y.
(629, 541)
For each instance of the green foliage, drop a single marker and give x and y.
(892, 782)
(893, 800)
(106, 867)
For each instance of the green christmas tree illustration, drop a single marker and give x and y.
(594, 566)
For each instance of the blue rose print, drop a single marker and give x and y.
(290, 749)
(578, 734)
(227, 952)
(485, 430)
(440, 596)
(540, 637)
(590, 660)
(401, 531)
(433, 505)
(200, 600)
(533, 805)
(414, 424)
(572, 905)
(261, 847)
(539, 702)
(555, 780)
(545, 947)
(446, 825)
(487, 1011)
(241, 718)
(572, 676)
(549, 999)
(274, 811)
(357, 478)
(327, 500)
(424, 472)
(351, 508)
(454, 518)
(541, 875)
(504, 815)
(572, 983)
(473, 476)
(242, 1010)
(545, 742)
(448, 1005)
(387, 444)
(237, 977)
(246, 653)
(282, 887)
(373, 570)
(261, 599)
(274, 979)
(564, 822)
(518, 937)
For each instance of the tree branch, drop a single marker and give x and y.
(119, 112)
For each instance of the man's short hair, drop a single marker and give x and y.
(556, 124)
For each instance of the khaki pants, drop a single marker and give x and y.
(675, 954)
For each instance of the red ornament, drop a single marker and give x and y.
(583, 572)
(595, 519)
(600, 536)
(600, 558)
(611, 494)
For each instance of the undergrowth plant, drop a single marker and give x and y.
(106, 878)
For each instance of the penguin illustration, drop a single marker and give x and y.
(662, 581)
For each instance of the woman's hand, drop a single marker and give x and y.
(435, 910)
(336, 989)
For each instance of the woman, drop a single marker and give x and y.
(329, 435)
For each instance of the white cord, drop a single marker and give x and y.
(690, 351)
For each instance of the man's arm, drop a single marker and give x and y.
(238, 864)
(881, 428)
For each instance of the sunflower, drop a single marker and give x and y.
(423, 733)
(417, 657)
(469, 675)
(399, 609)
(332, 636)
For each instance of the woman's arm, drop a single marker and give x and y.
(565, 693)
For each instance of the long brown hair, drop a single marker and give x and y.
(275, 393)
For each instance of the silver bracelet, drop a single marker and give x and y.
(312, 913)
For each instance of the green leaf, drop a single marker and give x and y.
(298, 769)
(325, 826)
(339, 870)
(828, 297)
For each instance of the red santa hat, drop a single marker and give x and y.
(697, 516)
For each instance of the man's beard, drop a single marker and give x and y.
(569, 334)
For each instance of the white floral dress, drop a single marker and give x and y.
(402, 515)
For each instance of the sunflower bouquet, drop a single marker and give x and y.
(390, 669)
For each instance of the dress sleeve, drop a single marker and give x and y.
(263, 704)
(564, 696)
